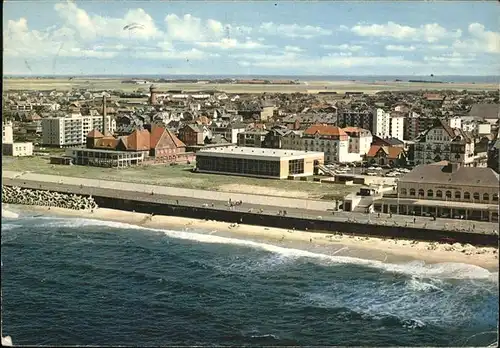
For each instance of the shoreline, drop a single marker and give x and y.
(384, 250)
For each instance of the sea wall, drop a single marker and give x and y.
(18, 195)
(312, 225)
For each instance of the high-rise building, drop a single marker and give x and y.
(73, 130)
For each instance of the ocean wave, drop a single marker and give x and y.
(392, 306)
(446, 270)
(8, 227)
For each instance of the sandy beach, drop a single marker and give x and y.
(386, 250)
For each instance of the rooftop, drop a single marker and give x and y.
(259, 152)
(452, 174)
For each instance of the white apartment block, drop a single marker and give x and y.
(73, 130)
(7, 133)
(386, 125)
(381, 124)
(397, 130)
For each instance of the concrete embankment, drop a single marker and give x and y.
(151, 204)
(18, 195)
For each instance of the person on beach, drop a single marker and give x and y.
(177, 201)
(414, 220)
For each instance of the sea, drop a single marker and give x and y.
(74, 281)
(483, 79)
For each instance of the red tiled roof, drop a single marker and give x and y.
(392, 152)
(139, 140)
(176, 140)
(322, 129)
(106, 143)
(156, 133)
(94, 133)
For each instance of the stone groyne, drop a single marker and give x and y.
(18, 195)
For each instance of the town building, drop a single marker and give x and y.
(486, 112)
(252, 138)
(274, 137)
(493, 155)
(386, 125)
(264, 163)
(104, 157)
(381, 124)
(72, 130)
(360, 141)
(194, 135)
(7, 132)
(396, 126)
(386, 155)
(356, 118)
(330, 140)
(441, 142)
(415, 124)
(388, 142)
(17, 149)
(9, 147)
(154, 143)
(229, 131)
(445, 189)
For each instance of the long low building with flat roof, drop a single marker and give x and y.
(445, 189)
(258, 162)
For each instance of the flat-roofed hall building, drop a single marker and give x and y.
(258, 162)
(105, 158)
(445, 190)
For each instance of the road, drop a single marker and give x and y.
(264, 209)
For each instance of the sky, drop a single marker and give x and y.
(251, 38)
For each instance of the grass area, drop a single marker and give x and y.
(311, 86)
(181, 176)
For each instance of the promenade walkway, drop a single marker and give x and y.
(266, 205)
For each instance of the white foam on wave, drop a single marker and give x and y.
(449, 270)
(9, 214)
(6, 341)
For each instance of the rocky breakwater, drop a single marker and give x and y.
(18, 195)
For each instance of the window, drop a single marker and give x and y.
(495, 197)
(403, 192)
(458, 195)
(412, 192)
(466, 195)
(420, 192)
(448, 194)
(439, 194)
(476, 195)
(296, 166)
(430, 193)
(486, 197)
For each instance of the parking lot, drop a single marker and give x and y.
(370, 170)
